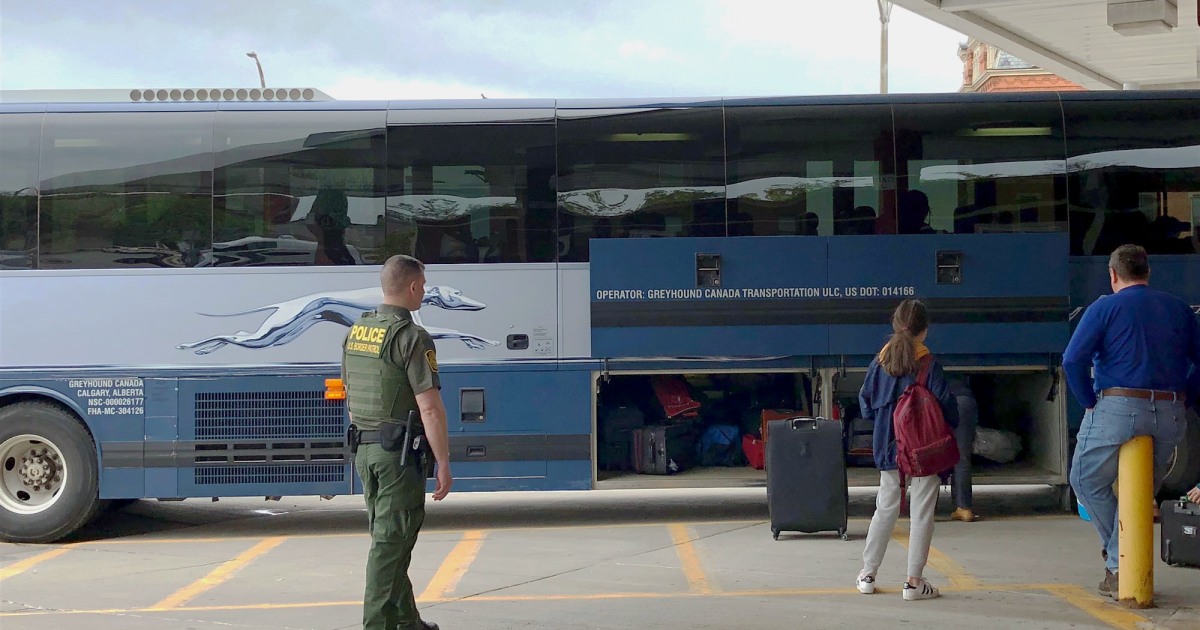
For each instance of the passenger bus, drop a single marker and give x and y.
(177, 278)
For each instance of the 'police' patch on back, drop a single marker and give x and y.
(431, 357)
(365, 340)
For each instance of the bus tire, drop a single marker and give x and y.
(1183, 471)
(49, 479)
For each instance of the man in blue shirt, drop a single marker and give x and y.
(1141, 344)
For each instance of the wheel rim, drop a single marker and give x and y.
(32, 474)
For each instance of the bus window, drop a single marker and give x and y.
(638, 173)
(809, 169)
(20, 141)
(471, 193)
(298, 188)
(125, 190)
(1134, 175)
(973, 167)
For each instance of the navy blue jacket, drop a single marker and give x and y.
(878, 397)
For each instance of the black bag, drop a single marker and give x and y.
(664, 449)
(806, 476)
(616, 436)
(1181, 533)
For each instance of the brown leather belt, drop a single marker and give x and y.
(1145, 394)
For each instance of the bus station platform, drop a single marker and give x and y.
(610, 559)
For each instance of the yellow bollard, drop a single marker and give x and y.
(1135, 495)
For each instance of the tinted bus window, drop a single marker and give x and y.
(126, 190)
(980, 166)
(20, 142)
(1134, 175)
(471, 193)
(299, 188)
(809, 169)
(637, 173)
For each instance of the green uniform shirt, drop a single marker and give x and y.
(387, 359)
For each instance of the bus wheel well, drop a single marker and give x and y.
(32, 397)
(49, 471)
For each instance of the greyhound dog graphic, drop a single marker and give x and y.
(291, 318)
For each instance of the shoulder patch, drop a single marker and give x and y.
(431, 357)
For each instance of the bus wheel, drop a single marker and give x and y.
(1183, 470)
(48, 473)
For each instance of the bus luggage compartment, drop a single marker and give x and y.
(1021, 407)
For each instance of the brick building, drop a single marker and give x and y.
(989, 69)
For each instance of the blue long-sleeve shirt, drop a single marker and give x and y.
(1139, 337)
(877, 402)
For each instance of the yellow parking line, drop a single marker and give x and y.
(218, 575)
(1110, 614)
(22, 566)
(693, 569)
(958, 576)
(454, 566)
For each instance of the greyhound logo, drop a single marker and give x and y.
(292, 318)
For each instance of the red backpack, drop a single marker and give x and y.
(925, 444)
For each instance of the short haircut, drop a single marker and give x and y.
(398, 271)
(1130, 263)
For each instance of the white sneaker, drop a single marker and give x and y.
(865, 583)
(923, 591)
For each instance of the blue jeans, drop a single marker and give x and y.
(1114, 421)
(964, 434)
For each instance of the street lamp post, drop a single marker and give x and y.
(261, 80)
(885, 15)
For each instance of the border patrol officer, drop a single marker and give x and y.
(390, 369)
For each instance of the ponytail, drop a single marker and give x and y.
(899, 355)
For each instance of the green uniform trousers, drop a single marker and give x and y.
(395, 496)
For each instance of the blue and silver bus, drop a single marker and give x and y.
(176, 279)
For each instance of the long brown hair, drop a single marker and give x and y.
(899, 355)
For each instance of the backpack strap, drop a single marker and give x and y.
(923, 372)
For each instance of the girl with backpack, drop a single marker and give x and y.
(892, 385)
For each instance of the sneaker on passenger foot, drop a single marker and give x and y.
(965, 515)
(865, 583)
(923, 590)
(1108, 586)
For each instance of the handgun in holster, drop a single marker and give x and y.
(406, 436)
(352, 439)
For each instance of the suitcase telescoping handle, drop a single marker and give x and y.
(804, 423)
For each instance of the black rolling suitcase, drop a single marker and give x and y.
(806, 476)
(663, 449)
(1181, 533)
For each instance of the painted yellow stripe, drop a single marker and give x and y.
(218, 575)
(959, 577)
(1116, 617)
(22, 566)
(454, 566)
(1093, 605)
(693, 569)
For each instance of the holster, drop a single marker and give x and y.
(393, 437)
(352, 439)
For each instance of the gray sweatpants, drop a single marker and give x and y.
(923, 499)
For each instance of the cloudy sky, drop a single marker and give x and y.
(377, 49)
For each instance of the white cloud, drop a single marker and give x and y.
(535, 48)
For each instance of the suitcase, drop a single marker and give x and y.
(1180, 533)
(616, 437)
(663, 449)
(770, 415)
(806, 476)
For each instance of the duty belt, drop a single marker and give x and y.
(1145, 394)
(368, 437)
